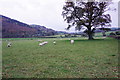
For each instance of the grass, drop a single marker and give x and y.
(83, 59)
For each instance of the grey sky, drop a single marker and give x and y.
(42, 12)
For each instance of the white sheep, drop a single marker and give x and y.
(43, 43)
(72, 41)
(54, 42)
(9, 44)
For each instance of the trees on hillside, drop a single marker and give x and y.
(87, 14)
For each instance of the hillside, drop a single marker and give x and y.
(15, 29)
(43, 31)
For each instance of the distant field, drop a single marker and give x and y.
(96, 34)
(83, 59)
(107, 33)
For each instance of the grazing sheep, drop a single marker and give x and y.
(43, 43)
(72, 41)
(54, 42)
(9, 44)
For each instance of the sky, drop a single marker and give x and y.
(43, 12)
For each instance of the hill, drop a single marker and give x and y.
(43, 31)
(15, 29)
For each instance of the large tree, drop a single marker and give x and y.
(89, 14)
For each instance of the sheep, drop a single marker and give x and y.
(72, 41)
(54, 42)
(9, 44)
(43, 43)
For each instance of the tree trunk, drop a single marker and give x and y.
(90, 36)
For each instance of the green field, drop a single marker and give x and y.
(83, 59)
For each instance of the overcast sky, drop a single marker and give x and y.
(42, 12)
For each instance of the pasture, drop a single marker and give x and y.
(83, 59)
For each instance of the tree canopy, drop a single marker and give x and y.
(89, 14)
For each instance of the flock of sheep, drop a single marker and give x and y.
(54, 42)
(41, 43)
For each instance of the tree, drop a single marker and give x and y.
(87, 14)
